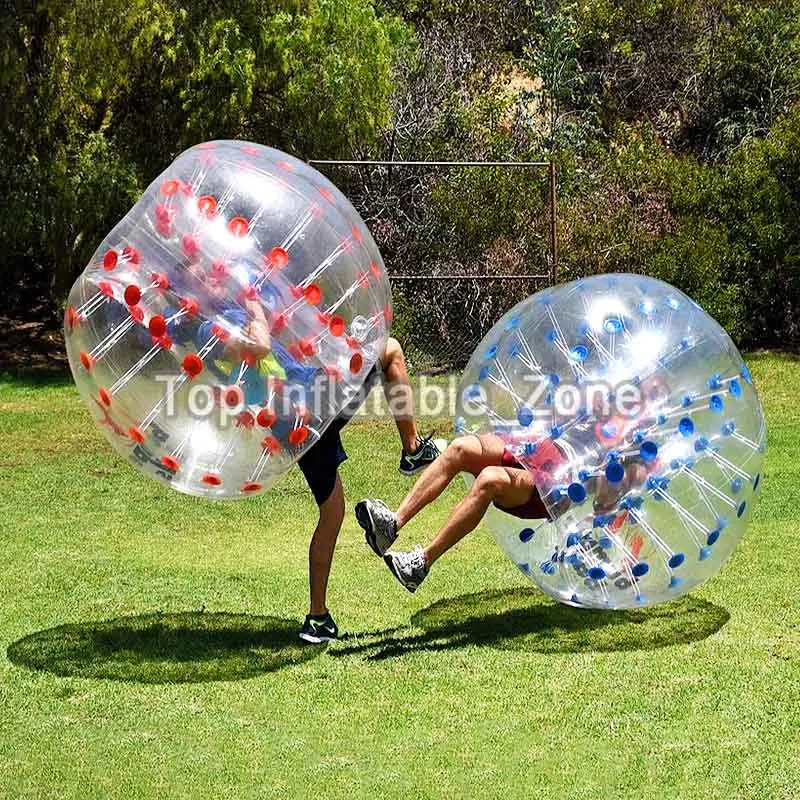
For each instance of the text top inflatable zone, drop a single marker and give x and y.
(227, 319)
(639, 421)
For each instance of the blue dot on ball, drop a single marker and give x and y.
(551, 336)
(686, 427)
(555, 432)
(512, 324)
(605, 542)
(526, 534)
(640, 569)
(745, 373)
(705, 552)
(615, 472)
(716, 404)
(728, 428)
(580, 352)
(712, 537)
(514, 350)
(648, 451)
(596, 573)
(715, 381)
(675, 582)
(525, 416)
(613, 325)
(742, 508)
(701, 444)
(757, 481)
(687, 400)
(576, 492)
(491, 352)
(735, 388)
(672, 302)
(736, 485)
(553, 379)
(676, 560)
(483, 373)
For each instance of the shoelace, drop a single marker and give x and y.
(428, 445)
(417, 558)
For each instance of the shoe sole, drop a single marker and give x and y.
(307, 637)
(409, 472)
(364, 519)
(389, 561)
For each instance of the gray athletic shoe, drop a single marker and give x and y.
(379, 524)
(409, 568)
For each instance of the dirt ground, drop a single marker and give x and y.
(31, 347)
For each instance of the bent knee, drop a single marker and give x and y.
(392, 351)
(492, 480)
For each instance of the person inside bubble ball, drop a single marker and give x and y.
(320, 465)
(502, 480)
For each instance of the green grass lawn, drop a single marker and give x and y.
(148, 649)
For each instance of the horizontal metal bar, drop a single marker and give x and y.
(463, 277)
(512, 164)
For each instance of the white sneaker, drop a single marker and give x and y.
(409, 568)
(379, 524)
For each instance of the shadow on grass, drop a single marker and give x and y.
(190, 647)
(518, 619)
(194, 647)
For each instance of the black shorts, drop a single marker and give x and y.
(320, 464)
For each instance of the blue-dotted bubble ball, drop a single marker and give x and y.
(639, 424)
(227, 319)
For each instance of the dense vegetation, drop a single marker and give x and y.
(675, 125)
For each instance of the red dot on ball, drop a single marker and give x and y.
(170, 187)
(298, 436)
(133, 294)
(87, 362)
(337, 326)
(278, 257)
(136, 434)
(313, 294)
(271, 444)
(306, 347)
(110, 260)
(234, 396)
(251, 487)
(356, 362)
(239, 226)
(172, 464)
(131, 254)
(266, 417)
(157, 326)
(105, 396)
(192, 365)
(211, 479)
(136, 313)
(207, 205)
(375, 269)
(73, 317)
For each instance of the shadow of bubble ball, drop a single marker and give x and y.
(189, 647)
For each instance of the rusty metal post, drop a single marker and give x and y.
(553, 223)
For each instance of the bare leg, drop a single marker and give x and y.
(399, 396)
(323, 542)
(509, 487)
(466, 454)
